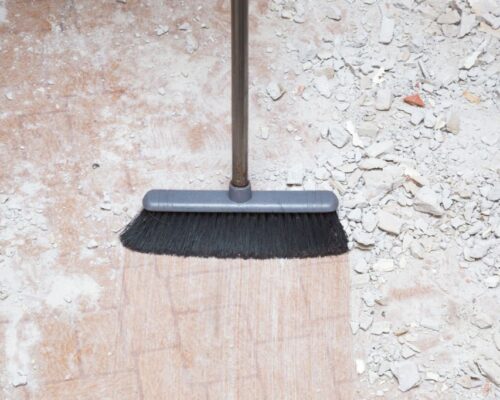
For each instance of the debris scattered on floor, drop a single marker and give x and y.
(275, 91)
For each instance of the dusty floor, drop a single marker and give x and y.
(100, 101)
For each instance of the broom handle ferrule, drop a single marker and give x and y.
(239, 92)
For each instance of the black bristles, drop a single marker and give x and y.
(233, 235)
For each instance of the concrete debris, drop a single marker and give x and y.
(323, 86)
(380, 328)
(372, 163)
(161, 30)
(467, 23)
(295, 175)
(389, 223)
(417, 116)
(275, 91)
(369, 221)
(469, 382)
(383, 100)
(492, 282)
(415, 176)
(356, 140)
(368, 129)
(20, 379)
(477, 252)
(427, 201)
(192, 44)
(482, 320)
(450, 17)
(361, 267)
(379, 148)
(337, 136)
(92, 245)
(363, 239)
(386, 30)
(360, 366)
(407, 375)
(417, 249)
(453, 122)
(333, 12)
(185, 26)
(494, 193)
(490, 369)
(496, 338)
(384, 265)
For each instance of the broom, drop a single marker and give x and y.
(238, 223)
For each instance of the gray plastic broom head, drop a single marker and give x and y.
(240, 200)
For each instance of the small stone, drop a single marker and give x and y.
(379, 148)
(477, 252)
(105, 206)
(429, 119)
(491, 20)
(386, 30)
(368, 129)
(365, 321)
(185, 26)
(369, 221)
(19, 380)
(417, 116)
(467, 23)
(494, 193)
(92, 245)
(453, 122)
(406, 372)
(161, 30)
(384, 265)
(414, 100)
(295, 176)
(337, 136)
(334, 13)
(191, 44)
(4, 294)
(492, 282)
(471, 97)
(482, 320)
(449, 18)
(383, 100)
(322, 85)
(389, 223)
(432, 376)
(490, 369)
(407, 352)
(415, 176)
(496, 338)
(426, 201)
(360, 366)
(363, 239)
(372, 163)
(361, 267)
(380, 327)
(9, 96)
(275, 91)
(469, 382)
(322, 174)
(431, 324)
(417, 250)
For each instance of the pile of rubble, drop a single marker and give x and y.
(411, 146)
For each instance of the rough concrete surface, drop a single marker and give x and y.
(392, 104)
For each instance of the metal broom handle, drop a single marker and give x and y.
(239, 91)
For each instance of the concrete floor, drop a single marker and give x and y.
(84, 131)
